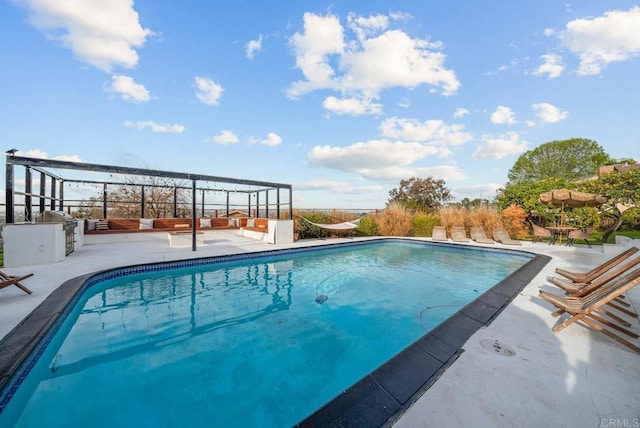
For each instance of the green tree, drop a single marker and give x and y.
(526, 194)
(623, 192)
(468, 204)
(420, 194)
(569, 160)
(124, 200)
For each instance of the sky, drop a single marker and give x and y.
(341, 100)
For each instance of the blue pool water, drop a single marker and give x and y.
(258, 342)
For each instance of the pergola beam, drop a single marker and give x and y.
(41, 166)
(81, 166)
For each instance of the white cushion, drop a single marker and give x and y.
(146, 223)
(232, 222)
(251, 222)
(205, 222)
(91, 224)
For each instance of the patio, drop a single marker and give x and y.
(574, 378)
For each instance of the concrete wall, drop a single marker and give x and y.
(33, 243)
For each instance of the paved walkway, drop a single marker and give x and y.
(576, 378)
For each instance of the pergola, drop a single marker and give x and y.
(50, 192)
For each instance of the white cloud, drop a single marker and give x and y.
(549, 32)
(364, 27)
(155, 127)
(501, 146)
(68, 158)
(272, 140)
(393, 174)
(432, 132)
(614, 36)
(377, 58)
(530, 123)
(127, 89)
(209, 92)
(323, 36)
(460, 113)
(351, 106)
(377, 160)
(225, 137)
(514, 62)
(395, 59)
(340, 187)
(33, 153)
(104, 34)
(253, 46)
(40, 154)
(551, 66)
(548, 112)
(503, 115)
(479, 191)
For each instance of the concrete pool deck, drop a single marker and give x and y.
(577, 377)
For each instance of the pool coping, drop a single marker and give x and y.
(375, 400)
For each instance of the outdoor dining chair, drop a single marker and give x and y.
(540, 232)
(579, 234)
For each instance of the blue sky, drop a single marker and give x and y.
(342, 100)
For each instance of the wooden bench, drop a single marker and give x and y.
(132, 225)
(260, 225)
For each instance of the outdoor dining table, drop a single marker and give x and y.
(557, 232)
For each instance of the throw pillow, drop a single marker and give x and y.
(146, 223)
(91, 224)
(205, 222)
(102, 225)
(232, 222)
(251, 222)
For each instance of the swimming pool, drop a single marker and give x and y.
(268, 338)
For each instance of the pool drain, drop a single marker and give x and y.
(495, 347)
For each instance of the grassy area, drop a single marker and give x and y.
(596, 237)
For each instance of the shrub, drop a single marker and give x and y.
(631, 219)
(422, 224)
(584, 217)
(514, 221)
(310, 231)
(394, 220)
(367, 227)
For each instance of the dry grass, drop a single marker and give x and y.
(395, 220)
(452, 217)
(486, 219)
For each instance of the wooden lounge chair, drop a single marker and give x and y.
(583, 288)
(540, 232)
(459, 234)
(9, 280)
(478, 235)
(585, 308)
(579, 289)
(501, 235)
(439, 233)
(598, 270)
